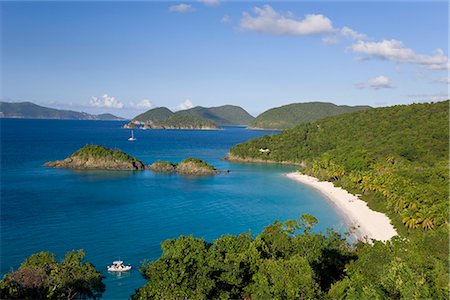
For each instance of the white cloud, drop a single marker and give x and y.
(144, 103)
(210, 2)
(268, 21)
(348, 32)
(186, 104)
(105, 101)
(181, 8)
(225, 19)
(380, 82)
(395, 51)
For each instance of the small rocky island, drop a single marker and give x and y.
(189, 166)
(94, 157)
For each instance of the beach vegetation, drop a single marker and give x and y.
(41, 276)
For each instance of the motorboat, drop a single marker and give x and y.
(118, 266)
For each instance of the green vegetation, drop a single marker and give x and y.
(154, 114)
(33, 111)
(40, 276)
(184, 122)
(226, 115)
(96, 151)
(288, 261)
(288, 116)
(197, 162)
(397, 157)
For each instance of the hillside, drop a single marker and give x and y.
(397, 157)
(28, 110)
(154, 114)
(226, 115)
(288, 116)
(183, 122)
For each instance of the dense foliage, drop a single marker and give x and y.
(198, 162)
(184, 122)
(288, 116)
(96, 151)
(40, 276)
(225, 115)
(288, 261)
(397, 157)
(154, 114)
(33, 111)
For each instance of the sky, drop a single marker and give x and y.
(127, 57)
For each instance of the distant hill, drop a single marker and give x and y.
(184, 122)
(288, 116)
(226, 115)
(28, 110)
(155, 114)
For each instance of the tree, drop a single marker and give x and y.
(40, 276)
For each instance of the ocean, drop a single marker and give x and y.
(126, 215)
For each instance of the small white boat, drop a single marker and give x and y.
(118, 266)
(132, 138)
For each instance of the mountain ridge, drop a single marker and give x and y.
(29, 110)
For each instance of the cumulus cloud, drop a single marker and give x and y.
(380, 82)
(181, 8)
(186, 104)
(225, 19)
(350, 33)
(144, 103)
(266, 20)
(210, 2)
(105, 101)
(394, 50)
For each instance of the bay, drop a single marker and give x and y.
(126, 215)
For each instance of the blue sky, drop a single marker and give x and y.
(126, 57)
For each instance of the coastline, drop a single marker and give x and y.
(368, 223)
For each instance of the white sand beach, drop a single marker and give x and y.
(368, 223)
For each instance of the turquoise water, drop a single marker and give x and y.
(126, 215)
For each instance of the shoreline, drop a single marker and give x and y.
(368, 223)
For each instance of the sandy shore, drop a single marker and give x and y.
(368, 223)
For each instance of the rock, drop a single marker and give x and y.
(162, 166)
(94, 157)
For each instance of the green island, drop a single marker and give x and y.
(189, 166)
(193, 118)
(95, 157)
(288, 116)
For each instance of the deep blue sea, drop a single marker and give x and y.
(126, 215)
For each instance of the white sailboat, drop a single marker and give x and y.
(132, 138)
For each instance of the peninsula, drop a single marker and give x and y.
(94, 157)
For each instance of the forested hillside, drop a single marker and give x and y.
(154, 114)
(288, 116)
(396, 157)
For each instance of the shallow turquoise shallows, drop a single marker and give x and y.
(125, 215)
